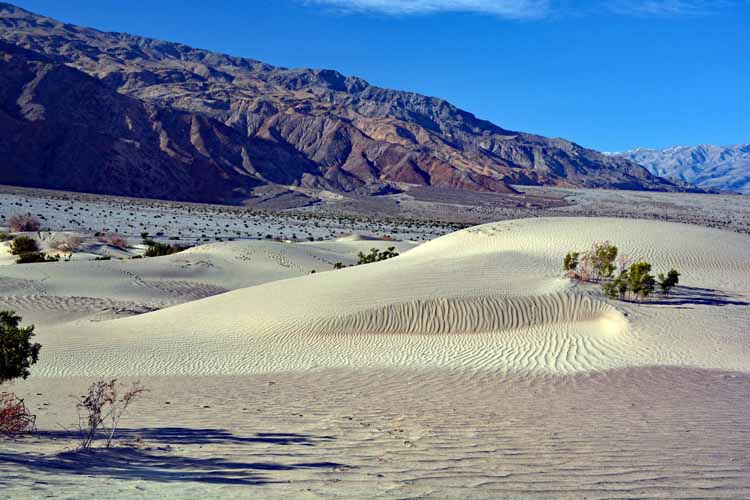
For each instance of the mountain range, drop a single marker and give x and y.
(113, 113)
(721, 168)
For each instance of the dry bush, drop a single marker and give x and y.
(15, 417)
(20, 223)
(101, 409)
(68, 244)
(114, 239)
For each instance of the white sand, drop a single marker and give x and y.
(490, 297)
(465, 368)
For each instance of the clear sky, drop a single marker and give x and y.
(611, 75)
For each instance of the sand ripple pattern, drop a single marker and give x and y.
(462, 315)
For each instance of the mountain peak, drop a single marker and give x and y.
(317, 127)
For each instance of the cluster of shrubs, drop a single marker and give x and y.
(17, 354)
(23, 223)
(28, 252)
(156, 249)
(99, 410)
(375, 255)
(619, 278)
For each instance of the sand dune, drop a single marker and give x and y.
(489, 297)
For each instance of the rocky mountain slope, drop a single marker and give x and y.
(185, 123)
(708, 167)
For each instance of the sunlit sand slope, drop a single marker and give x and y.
(489, 297)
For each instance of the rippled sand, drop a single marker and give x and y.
(465, 368)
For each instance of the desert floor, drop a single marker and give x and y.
(467, 367)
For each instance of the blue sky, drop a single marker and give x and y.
(610, 75)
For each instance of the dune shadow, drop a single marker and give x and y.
(188, 436)
(160, 463)
(686, 296)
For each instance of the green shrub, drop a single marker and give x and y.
(23, 244)
(17, 352)
(666, 283)
(36, 257)
(641, 281)
(603, 259)
(156, 249)
(570, 262)
(376, 255)
(5, 236)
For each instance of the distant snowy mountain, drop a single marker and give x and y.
(708, 167)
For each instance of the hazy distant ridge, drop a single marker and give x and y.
(725, 168)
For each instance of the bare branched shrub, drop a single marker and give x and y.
(20, 223)
(68, 243)
(101, 409)
(15, 417)
(114, 239)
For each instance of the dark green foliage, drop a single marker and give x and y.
(376, 255)
(23, 244)
(35, 258)
(666, 283)
(570, 262)
(103, 257)
(156, 249)
(610, 289)
(5, 236)
(617, 288)
(17, 352)
(642, 283)
(339, 265)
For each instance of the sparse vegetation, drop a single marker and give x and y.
(21, 223)
(15, 417)
(35, 258)
(101, 409)
(600, 263)
(376, 255)
(156, 249)
(17, 352)
(68, 243)
(642, 281)
(570, 262)
(666, 283)
(114, 240)
(23, 244)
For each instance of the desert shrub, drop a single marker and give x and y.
(20, 223)
(666, 283)
(31, 258)
(103, 257)
(101, 408)
(17, 352)
(15, 417)
(570, 262)
(339, 265)
(610, 290)
(376, 255)
(69, 243)
(114, 239)
(603, 255)
(5, 236)
(156, 249)
(23, 244)
(617, 288)
(641, 282)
